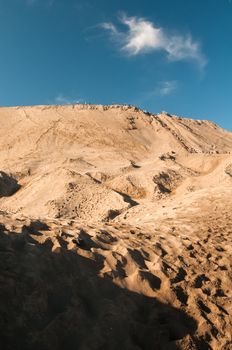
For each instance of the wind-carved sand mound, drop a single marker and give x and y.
(167, 181)
(139, 185)
(130, 185)
(120, 234)
(65, 193)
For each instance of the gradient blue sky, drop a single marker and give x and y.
(172, 55)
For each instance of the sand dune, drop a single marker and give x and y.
(115, 230)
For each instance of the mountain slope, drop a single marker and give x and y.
(115, 229)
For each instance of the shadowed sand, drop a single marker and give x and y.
(57, 300)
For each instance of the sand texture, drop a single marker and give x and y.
(115, 230)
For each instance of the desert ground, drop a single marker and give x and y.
(115, 230)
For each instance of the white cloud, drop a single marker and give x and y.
(166, 87)
(163, 88)
(143, 36)
(111, 27)
(61, 99)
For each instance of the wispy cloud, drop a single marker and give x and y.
(162, 89)
(165, 88)
(142, 36)
(61, 99)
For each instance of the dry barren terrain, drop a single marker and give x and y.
(115, 230)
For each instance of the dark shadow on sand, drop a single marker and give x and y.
(56, 300)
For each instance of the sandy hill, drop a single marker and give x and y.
(115, 229)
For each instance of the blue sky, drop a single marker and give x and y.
(172, 55)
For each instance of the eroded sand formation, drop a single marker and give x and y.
(115, 230)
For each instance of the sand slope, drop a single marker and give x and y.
(115, 230)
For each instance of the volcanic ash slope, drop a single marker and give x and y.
(115, 230)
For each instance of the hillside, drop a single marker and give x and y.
(115, 229)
